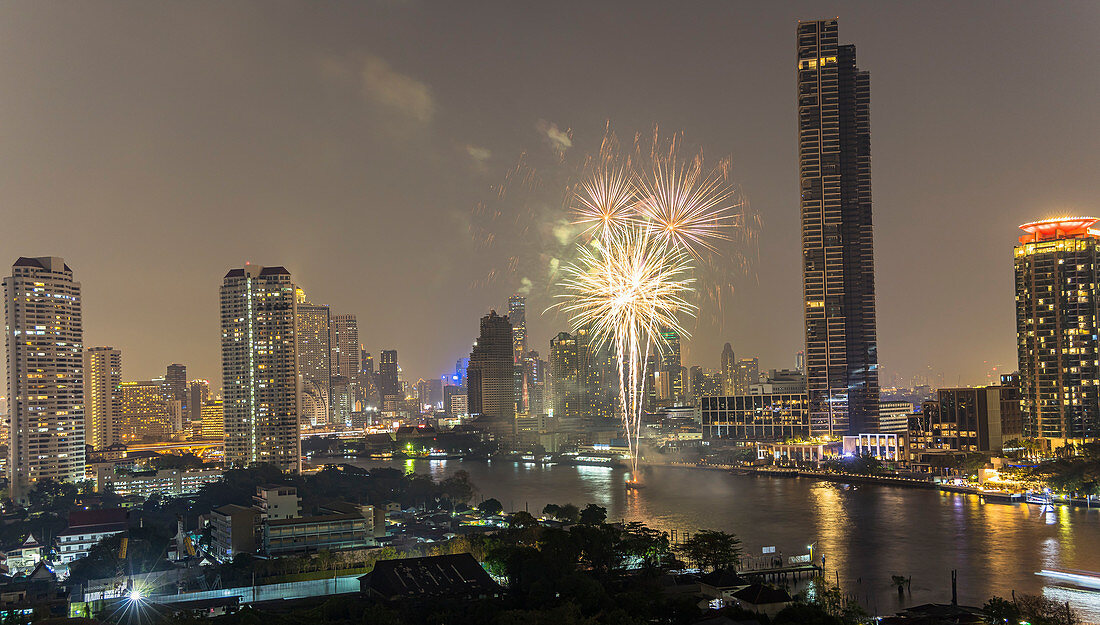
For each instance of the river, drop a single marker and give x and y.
(866, 534)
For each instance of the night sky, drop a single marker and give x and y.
(157, 145)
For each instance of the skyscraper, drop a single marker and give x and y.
(729, 371)
(260, 368)
(175, 382)
(671, 365)
(583, 390)
(745, 375)
(199, 395)
(345, 345)
(490, 378)
(517, 316)
(102, 376)
(388, 383)
(314, 361)
(838, 271)
(45, 345)
(1057, 324)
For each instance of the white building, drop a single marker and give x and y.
(893, 416)
(166, 482)
(45, 345)
(86, 528)
(260, 368)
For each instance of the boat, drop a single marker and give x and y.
(632, 485)
(1084, 579)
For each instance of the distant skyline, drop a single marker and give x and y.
(155, 147)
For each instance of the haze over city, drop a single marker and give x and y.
(157, 146)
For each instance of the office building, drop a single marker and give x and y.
(388, 382)
(345, 345)
(582, 388)
(1057, 324)
(970, 419)
(45, 348)
(705, 384)
(729, 371)
(490, 386)
(779, 382)
(146, 411)
(838, 271)
(671, 365)
(756, 417)
(213, 420)
(893, 416)
(175, 382)
(199, 393)
(517, 316)
(314, 332)
(102, 377)
(534, 372)
(746, 373)
(260, 368)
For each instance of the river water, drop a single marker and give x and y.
(866, 534)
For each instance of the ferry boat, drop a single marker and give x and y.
(1043, 500)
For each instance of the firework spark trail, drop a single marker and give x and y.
(645, 222)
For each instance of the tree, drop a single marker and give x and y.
(51, 496)
(552, 510)
(490, 507)
(458, 487)
(711, 549)
(593, 514)
(569, 513)
(181, 462)
(522, 520)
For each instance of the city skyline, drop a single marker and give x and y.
(942, 173)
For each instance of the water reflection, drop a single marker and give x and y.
(866, 534)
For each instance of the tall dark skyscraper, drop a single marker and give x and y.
(671, 365)
(175, 382)
(387, 374)
(729, 370)
(490, 381)
(838, 271)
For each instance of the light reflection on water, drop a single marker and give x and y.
(866, 534)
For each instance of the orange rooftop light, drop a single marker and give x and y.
(1060, 228)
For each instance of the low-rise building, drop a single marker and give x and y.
(233, 530)
(457, 577)
(339, 526)
(276, 502)
(763, 417)
(23, 558)
(811, 451)
(890, 447)
(86, 528)
(166, 482)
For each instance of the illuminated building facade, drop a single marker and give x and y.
(838, 271)
(260, 368)
(745, 375)
(1057, 293)
(671, 365)
(314, 361)
(213, 421)
(517, 316)
(729, 371)
(490, 378)
(756, 417)
(583, 390)
(146, 410)
(970, 419)
(45, 348)
(102, 377)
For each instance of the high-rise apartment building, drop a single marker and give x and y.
(315, 354)
(45, 347)
(838, 271)
(388, 383)
(534, 372)
(102, 376)
(1057, 324)
(729, 371)
(490, 378)
(260, 368)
